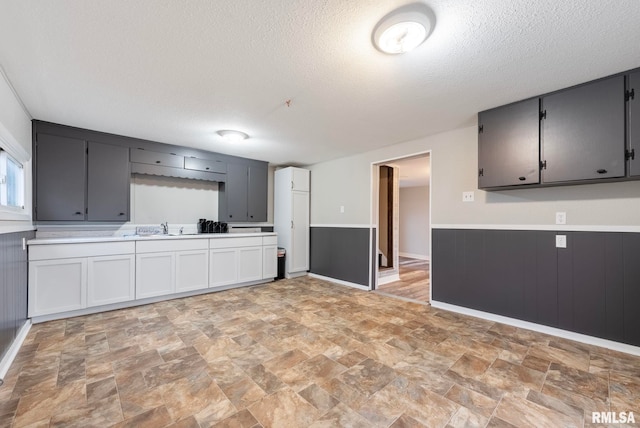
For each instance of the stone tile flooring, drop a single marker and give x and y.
(307, 353)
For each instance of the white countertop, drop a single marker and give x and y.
(88, 239)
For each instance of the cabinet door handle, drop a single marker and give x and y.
(78, 213)
(121, 214)
(522, 178)
(230, 216)
(157, 161)
(601, 171)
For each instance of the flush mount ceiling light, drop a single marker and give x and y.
(232, 136)
(403, 29)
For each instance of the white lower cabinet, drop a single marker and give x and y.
(223, 267)
(155, 274)
(249, 264)
(111, 279)
(269, 257)
(192, 270)
(57, 286)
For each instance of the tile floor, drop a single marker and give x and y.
(306, 353)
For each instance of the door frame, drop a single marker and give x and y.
(373, 214)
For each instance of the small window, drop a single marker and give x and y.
(11, 182)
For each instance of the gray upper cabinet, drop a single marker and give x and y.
(633, 97)
(257, 203)
(155, 158)
(582, 132)
(60, 178)
(508, 145)
(108, 178)
(233, 194)
(244, 195)
(78, 181)
(206, 165)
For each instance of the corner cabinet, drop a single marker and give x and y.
(243, 197)
(508, 145)
(79, 180)
(291, 218)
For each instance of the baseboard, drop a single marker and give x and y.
(11, 354)
(339, 281)
(590, 340)
(290, 275)
(414, 256)
(387, 279)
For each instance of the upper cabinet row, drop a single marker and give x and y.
(82, 175)
(578, 135)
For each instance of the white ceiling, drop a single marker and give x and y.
(414, 171)
(177, 71)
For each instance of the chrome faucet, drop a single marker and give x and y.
(165, 228)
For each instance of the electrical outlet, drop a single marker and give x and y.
(561, 241)
(467, 197)
(561, 217)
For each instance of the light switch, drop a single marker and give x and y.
(561, 241)
(341, 209)
(561, 217)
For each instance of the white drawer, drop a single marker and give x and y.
(253, 241)
(164, 245)
(67, 251)
(269, 240)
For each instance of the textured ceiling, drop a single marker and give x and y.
(177, 71)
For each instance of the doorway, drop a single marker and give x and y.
(401, 209)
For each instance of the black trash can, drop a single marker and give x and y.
(281, 259)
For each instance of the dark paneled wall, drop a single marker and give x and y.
(591, 287)
(341, 253)
(13, 287)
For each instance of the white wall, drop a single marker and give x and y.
(414, 222)
(15, 137)
(346, 181)
(156, 200)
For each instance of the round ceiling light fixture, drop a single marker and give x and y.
(403, 29)
(232, 136)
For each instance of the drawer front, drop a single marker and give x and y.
(254, 241)
(207, 165)
(66, 251)
(269, 240)
(155, 158)
(162, 245)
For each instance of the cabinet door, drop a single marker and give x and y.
(192, 270)
(60, 178)
(257, 200)
(634, 123)
(111, 279)
(249, 264)
(155, 274)
(583, 132)
(299, 255)
(223, 267)
(509, 145)
(300, 179)
(235, 193)
(57, 286)
(269, 262)
(108, 183)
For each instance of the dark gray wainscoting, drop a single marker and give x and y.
(13, 287)
(341, 253)
(591, 287)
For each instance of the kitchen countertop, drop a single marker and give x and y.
(124, 238)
